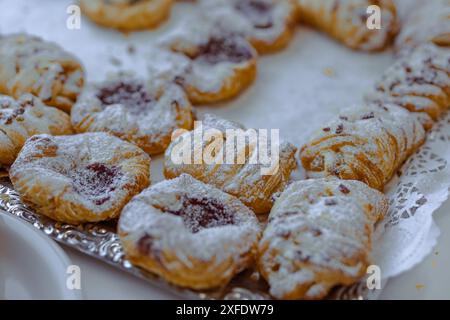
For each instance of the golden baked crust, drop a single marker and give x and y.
(367, 144)
(29, 64)
(267, 24)
(127, 15)
(345, 20)
(243, 179)
(319, 236)
(81, 178)
(418, 81)
(189, 233)
(23, 118)
(135, 110)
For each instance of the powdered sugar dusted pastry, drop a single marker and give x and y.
(419, 82)
(346, 21)
(127, 15)
(22, 118)
(319, 236)
(134, 110)
(367, 144)
(429, 21)
(189, 233)
(212, 64)
(267, 24)
(241, 174)
(29, 64)
(82, 178)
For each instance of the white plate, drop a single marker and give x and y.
(32, 266)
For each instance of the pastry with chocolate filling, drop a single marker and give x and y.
(135, 110)
(241, 171)
(23, 118)
(127, 15)
(367, 144)
(29, 64)
(319, 236)
(267, 24)
(189, 233)
(418, 81)
(211, 64)
(81, 178)
(346, 21)
(427, 22)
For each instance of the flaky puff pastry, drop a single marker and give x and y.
(319, 236)
(189, 233)
(267, 24)
(427, 21)
(346, 21)
(243, 176)
(23, 118)
(133, 109)
(29, 64)
(418, 81)
(212, 64)
(81, 178)
(367, 144)
(127, 15)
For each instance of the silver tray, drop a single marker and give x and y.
(101, 241)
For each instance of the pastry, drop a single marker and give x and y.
(134, 110)
(210, 63)
(82, 178)
(189, 233)
(127, 15)
(23, 118)
(319, 236)
(346, 21)
(29, 64)
(367, 144)
(243, 175)
(267, 24)
(419, 81)
(429, 21)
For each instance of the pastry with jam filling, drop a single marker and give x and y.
(267, 24)
(211, 63)
(189, 233)
(135, 110)
(418, 81)
(346, 21)
(127, 15)
(24, 117)
(81, 178)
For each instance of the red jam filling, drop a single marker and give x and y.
(258, 12)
